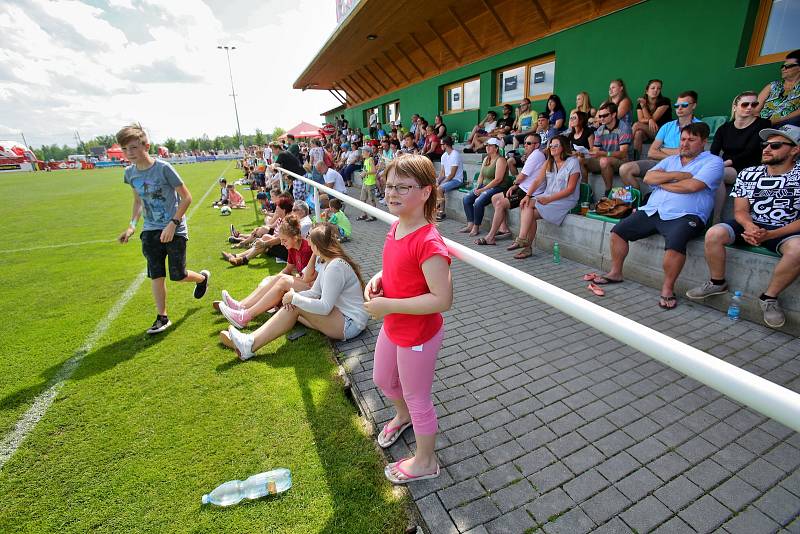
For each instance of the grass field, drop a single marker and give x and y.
(146, 425)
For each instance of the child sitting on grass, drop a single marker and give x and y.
(336, 216)
(235, 200)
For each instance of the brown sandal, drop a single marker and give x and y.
(526, 251)
(514, 245)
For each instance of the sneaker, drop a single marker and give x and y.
(230, 301)
(773, 314)
(280, 260)
(234, 233)
(243, 343)
(200, 288)
(706, 290)
(236, 317)
(161, 323)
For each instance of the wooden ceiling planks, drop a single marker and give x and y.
(435, 37)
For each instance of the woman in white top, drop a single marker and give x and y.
(554, 192)
(334, 305)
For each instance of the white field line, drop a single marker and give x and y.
(59, 245)
(28, 421)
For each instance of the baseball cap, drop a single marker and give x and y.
(791, 133)
(493, 141)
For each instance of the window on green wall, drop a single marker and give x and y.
(775, 32)
(533, 79)
(391, 111)
(462, 96)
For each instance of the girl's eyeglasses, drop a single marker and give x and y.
(683, 105)
(749, 104)
(401, 189)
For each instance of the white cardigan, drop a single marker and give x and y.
(337, 285)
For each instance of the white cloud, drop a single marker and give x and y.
(68, 65)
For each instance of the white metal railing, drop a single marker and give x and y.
(772, 400)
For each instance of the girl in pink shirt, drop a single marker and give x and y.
(410, 293)
(235, 200)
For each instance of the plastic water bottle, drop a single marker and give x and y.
(232, 492)
(556, 253)
(734, 310)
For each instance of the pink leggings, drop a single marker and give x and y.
(403, 373)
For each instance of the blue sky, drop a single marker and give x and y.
(95, 65)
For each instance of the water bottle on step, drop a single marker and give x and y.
(232, 492)
(735, 309)
(556, 253)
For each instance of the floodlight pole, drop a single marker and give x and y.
(233, 93)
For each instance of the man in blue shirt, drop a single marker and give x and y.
(667, 141)
(684, 186)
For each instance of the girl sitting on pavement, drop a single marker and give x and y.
(334, 305)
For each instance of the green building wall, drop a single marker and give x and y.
(689, 44)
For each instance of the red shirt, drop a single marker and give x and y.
(433, 138)
(403, 278)
(299, 256)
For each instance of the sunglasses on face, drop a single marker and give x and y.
(683, 105)
(749, 104)
(775, 145)
(531, 143)
(572, 117)
(602, 115)
(787, 66)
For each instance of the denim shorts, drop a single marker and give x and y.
(351, 329)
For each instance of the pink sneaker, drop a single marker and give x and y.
(230, 301)
(238, 318)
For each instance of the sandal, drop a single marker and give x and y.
(483, 241)
(597, 290)
(362, 218)
(407, 477)
(668, 303)
(514, 245)
(588, 277)
(603, 280)
(393, 434)
(503, 235)
(526, 251)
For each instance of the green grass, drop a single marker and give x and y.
(146, 425)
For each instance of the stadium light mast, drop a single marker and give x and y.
(233, 93)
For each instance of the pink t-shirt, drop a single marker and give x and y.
(234, 197)
(403, 278)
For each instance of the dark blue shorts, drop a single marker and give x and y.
(676, 232)
(157, 253)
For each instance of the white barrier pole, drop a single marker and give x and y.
(317, 209)
(772, 400)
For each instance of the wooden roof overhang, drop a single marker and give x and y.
(417, 39)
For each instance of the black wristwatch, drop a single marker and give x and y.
(176, 222)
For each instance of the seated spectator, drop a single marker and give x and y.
(235, 200)
(684, 186)
(584, 103)
(492, 180)
(421, 133)
(544, 130)
(334, 305)
(619, 96)
(331, 177)
(556, 114)
(611, 142)
(485, 126)
(780, 100)
(283, 206)
(559, 176)
(409, 146)
(534, 158)
(523, 125)
(433, 145)
(368, 186)
(773, 224)
(271, 243)
(451, 175)
(580, 135)
(652, 112)
(223, 194)
(737, 143)
(263, 198)
(302, 211)
(439, 127)
(667, 142)
(337, 217)
(298, 274)
(503, 128)
(352, 164)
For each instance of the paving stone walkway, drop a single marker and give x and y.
(547, 425)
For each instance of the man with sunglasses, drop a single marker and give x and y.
(667, 141)
(611, 142)
(525, 124)
(767, 214)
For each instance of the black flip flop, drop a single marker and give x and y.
(602, 280)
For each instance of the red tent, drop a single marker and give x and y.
(304, 129)
(115, 152)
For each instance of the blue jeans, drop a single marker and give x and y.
(475, 204)
(449, 185)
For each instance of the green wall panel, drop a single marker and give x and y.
(688, 44)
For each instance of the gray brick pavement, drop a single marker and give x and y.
(548, 425)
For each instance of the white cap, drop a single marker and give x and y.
(791, 133)
(493, 141)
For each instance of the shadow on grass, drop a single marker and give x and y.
(352, 468)
(95, 362)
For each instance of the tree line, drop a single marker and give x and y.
(204, 142)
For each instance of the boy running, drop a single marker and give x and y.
(158, 190)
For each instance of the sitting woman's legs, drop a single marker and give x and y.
(272, 296)
(332, 325)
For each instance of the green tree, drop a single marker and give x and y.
(171, 144)
(259, 138)
(277, 132)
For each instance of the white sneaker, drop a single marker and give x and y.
(243, 343)
(230, 301)
(235, 317)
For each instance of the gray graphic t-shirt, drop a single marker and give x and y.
(156, 187)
